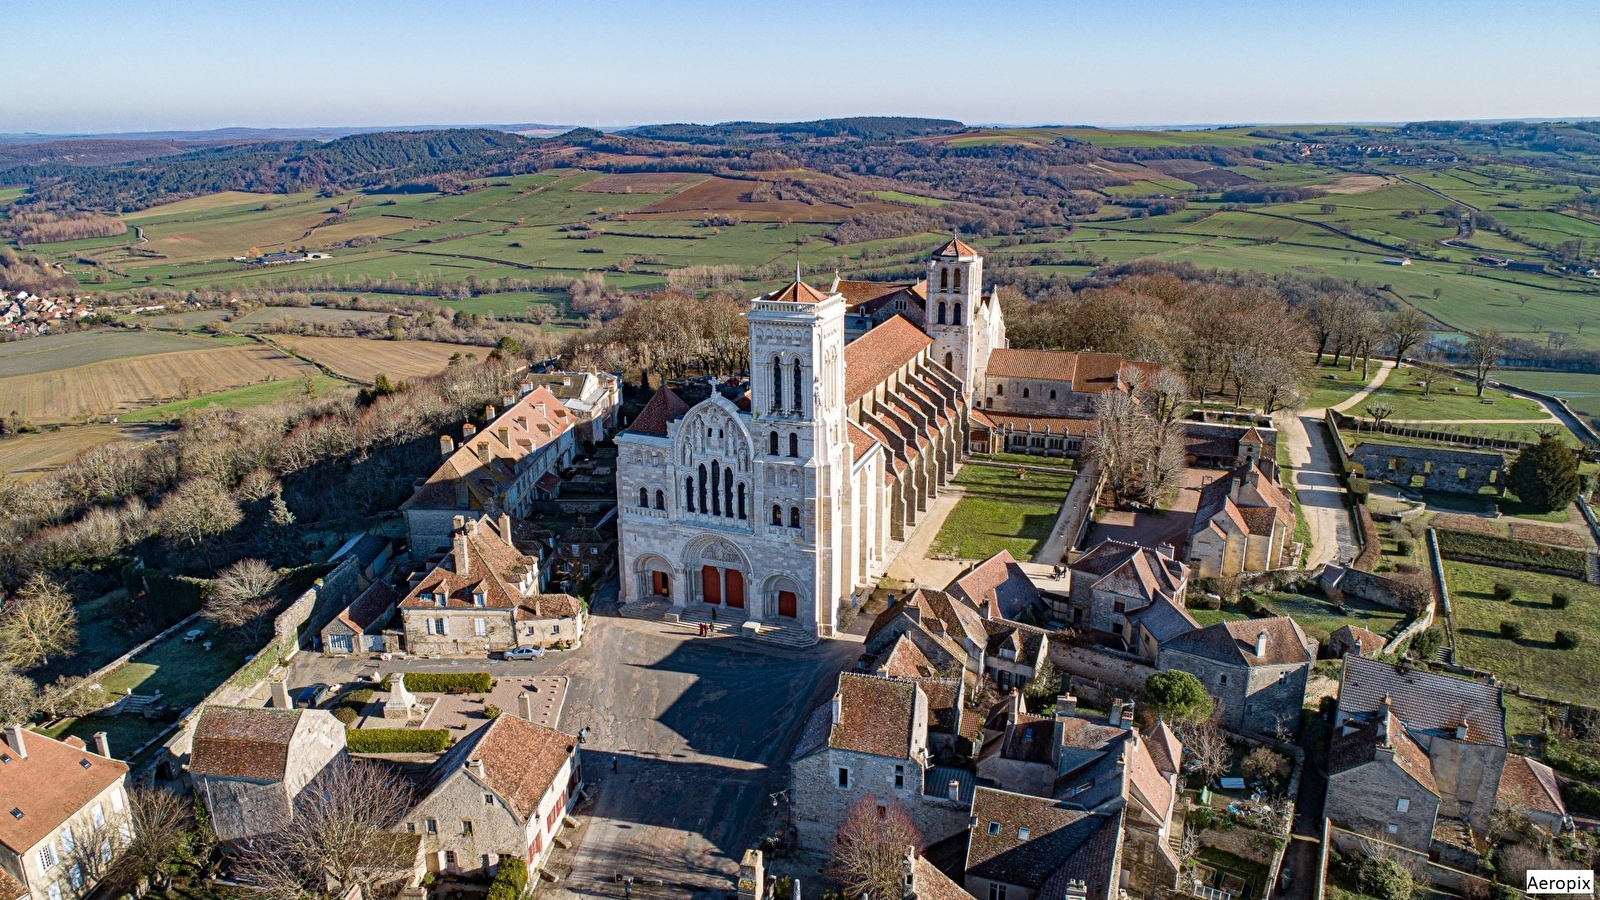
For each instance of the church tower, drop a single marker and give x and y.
(955, 297)
(802, 455)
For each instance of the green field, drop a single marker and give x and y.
(1001, 512)
(1449, 400)
(1532, 662)
(1332, 385)
(254, 395)
(1582, 392)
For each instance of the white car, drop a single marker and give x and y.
(523, 653)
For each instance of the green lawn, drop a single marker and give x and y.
(1212, 616)
(1319, 618)
(1532, 663)
(254, 395)
(1001, 512)
(1335, 384)
(1024, 459)
(1449, 399)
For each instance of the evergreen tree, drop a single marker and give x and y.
(1545, 476)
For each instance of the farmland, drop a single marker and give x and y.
(365, 360)
(28, 456)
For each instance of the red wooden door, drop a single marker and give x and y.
(660, 586)
(735, 588)
(710, 584)
(787, 605)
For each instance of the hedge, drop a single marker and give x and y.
(170, 598)
(510, 880)
(398, 740)
(449, 682)
(1510, 553)
(1581, 798)
(1358, 487)
(1371, 545)
(1571, 762)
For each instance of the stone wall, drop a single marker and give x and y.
(1464, 883)
(1116, 675)
(1366, 798)
(1249, 698)
(819, 803)
(1448, 471)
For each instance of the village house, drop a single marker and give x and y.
(68, 814)
(1254, 669)
(593, 398)
(512, 462)
(1354, 639)
(1413, 750)
(501, 792)
(358, 628)
(999, 587)
(1033, 848)
(1220, 445)
(483, 597)
(948, 632)
(1530, 786)
(1131, 595)
(1244, 523)
(248, 766)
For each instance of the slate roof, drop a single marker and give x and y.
(492, 569)
(876, 355)
(998, 585)
(49, 786)
(1030, 738)
(235, 742)
(932, 884)
(1360, 746)
(1235, 642)
(1025, 641)
(521, 760)
(1164, 620)
(1060, 839)
(1530, 783)
(662, 408)
(1423, 700)
(875, 716)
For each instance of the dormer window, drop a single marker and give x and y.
(438, 599)
(477, 598)
(994, 827)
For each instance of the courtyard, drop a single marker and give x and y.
(1002, 511)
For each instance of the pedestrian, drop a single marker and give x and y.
(613, 765)
(713, 614)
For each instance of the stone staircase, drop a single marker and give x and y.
(135, 704)
(729, 623)
(1445, 655)
(646, 610)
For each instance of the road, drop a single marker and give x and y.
(1316, 483)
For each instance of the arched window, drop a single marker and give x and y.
(1052, 395)
(661, 500)
(799, 405)
(957, 280)
(988, 402)
(777, 514)
(794, 517)
(772, 444)
(950, 361)
(716, 486)
(794, 445)
(777, 384)
(944, 279)
(941, 313)
(1024, 393)
(956, 318)
(644, 497)
(703, 507)
(688, 493)
(727, 495)
(999, 390)
(741, 500)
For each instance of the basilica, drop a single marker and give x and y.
(774, 505)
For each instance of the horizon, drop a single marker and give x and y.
(169, 67)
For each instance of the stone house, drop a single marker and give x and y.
(1244, 523)
(1531, 786)
(68, 814)
(358, 628)
(1213, 445)
(1458, 730)
(1254, 669)
(1354, 639)
(483, 597)
(1013, 653)
(1032, 848)
(1432, 469)
(494, 470)
(249, 765)
(999, 587)
(502, 791)
(593, 398)
(1131, 594)
(372, 553)
(871, 740)
(949, 632)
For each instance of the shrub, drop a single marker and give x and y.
(1385, 879)
(1568, 640)
(345, 715)
(490, 711)
(1511, 553)
(1559, 600)
(1403, 546)
(510, 880)
(1512, 630)
(1204, 601)
(1427, 643)
(1581, 798)
(449, 682)
(398, 740)
(1572, 762)
(1504, 592)
(1355, 469)
(1359, 488)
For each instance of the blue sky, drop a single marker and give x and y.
(95, 65)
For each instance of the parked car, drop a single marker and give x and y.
(523, 653)
(313, 696)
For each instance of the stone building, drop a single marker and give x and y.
(1130, 594)
(1244, 523)
(501, 792)
(1531, 786)
(1432, 469)
(1254, 669)
(593, 398)
(872, 739)
(999, 587)
(1354, 639)
(358, 628)
(68, 814)
(1032, 848)
(483, 597)
(495, 470)
(1219, 445)
(248, 766)
(1397, 727)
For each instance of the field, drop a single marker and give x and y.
(1001, 512)
(318, 314)
(59, 351)
(1332, 385)
(120, 385)
(364, 360)
(1582, 392)
(240, 398)
(28, 456)
(1448, 401)
(1531, 662)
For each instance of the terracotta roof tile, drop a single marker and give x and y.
(955, 247)
(49, 785)
(1352, 635)
(520, 761)
(373, 605)
(858, 292)
(1530, 783)
(796, 292)
(997, 584)
(1040, 424)
(1040, 365)
(235, 742)
(1166, 751)
(1148, 780)
(533, 421)
(1356, 744)
(876, 355)
(875, 716)
(931, 884)
(493, 569)
(861, 443)
(662, 408)
(11, 890)
(1235, 642)
(552, 606)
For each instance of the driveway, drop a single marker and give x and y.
(1316, 483)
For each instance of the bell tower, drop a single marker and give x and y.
(955, 294)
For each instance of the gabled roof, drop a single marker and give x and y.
(1058, 838)
(236, 742)
(1166, 751)
(1235, 642)
(491, 458)
(1530, 783)
(1354, 635)
(1164, 620)
(373, 605)
(1356, 744)
(493, 569)
(520, 761)
(795, 292)
(1132, 570)
(48, 786)
(1422, 700)
(938, 610)
(932, 884)
(998, 585)
(859, 292)
(662, 408)
(1151, 786)
(876, 355)
(955, 247)
(904, 659)
(876, 716)
(1039, 365)
(552, 606)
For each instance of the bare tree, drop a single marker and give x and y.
(161, 833)
(1207, 746)
(869, 849)
(38, 622)
(241, 595)
(1162, 395)
(1484, 351)
(1122, 441)
(337, 839)
(1406, 327)
(1379, 411)
(19, 697)
(200, 508)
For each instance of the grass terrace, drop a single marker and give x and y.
(1449, 400)
(1002, 512)
(1333, 385)
(1531, 662)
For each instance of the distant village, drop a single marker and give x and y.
(24, 315)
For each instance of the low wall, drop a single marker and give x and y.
(1118, 676)
(1440, 595)
(1331, 422)
(1464, 883)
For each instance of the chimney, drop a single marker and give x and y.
(475, 766)
(525, 388)
(101, 745)
(483, 452)
(838, 704)
(504, 433)
(1127, 714)
(505, 529)
(458, 549)
(1077, 890)
(1116, 711)
(1261, 643)
(908, 873)
(447, 445)
(1066, 706)
(525, 705)
(953, 790)
(280, 695)
(14, 738)
(458, 523)
(505, 401)
(1166, 550)
(488, 412)
(1461, 730)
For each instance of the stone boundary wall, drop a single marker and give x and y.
(324, 599)
(100, 673)
(1464, 883)
(1441, 595)
(1112, 674)
(1322, 861)
(1330, 422)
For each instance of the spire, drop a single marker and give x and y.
(797, 245)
